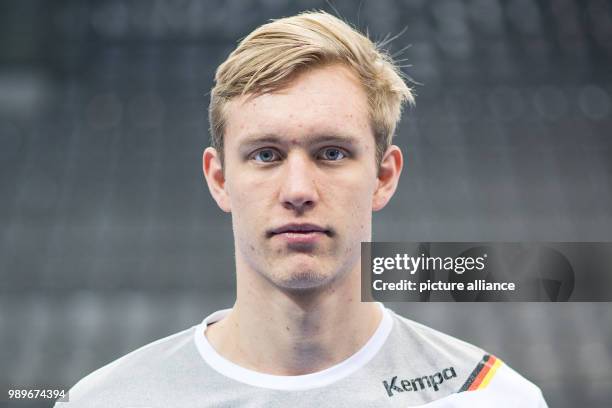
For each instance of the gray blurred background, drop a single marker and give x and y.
(109, 239)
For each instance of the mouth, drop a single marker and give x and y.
(299, 230)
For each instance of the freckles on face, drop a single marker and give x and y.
(323, 109)
(330, 96)
(326, 101)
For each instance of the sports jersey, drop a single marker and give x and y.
(404, 364)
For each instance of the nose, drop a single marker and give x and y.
(298, 189)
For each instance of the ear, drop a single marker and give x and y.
(213, 172)
(388, 177)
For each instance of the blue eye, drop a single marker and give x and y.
(332, 154)
(266, 156)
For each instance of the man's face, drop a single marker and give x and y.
(300, 176)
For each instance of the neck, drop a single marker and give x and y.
(275, 332)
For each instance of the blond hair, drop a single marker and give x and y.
(270, 57)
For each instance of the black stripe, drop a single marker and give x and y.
(475, 373)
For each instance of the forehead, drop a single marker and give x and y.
(325, 100)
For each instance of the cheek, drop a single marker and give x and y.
(247, 198)
(352, 196)
(241, 185)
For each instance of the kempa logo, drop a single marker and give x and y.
(419, 383)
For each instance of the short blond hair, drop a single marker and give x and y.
(270, 57)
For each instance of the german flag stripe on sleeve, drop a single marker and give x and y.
(482, 374)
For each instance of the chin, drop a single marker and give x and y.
(303, 280)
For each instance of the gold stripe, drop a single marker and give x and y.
(490, 374)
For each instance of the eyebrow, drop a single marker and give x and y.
(271, 138)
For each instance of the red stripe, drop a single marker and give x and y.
(482, 374)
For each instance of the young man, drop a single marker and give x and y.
(302, 116)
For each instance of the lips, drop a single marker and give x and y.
(300, 237)
(299, 229)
